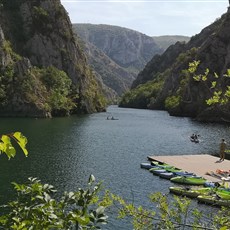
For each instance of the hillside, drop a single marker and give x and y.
(118, 54)
(43, 69)
(128, 48)
(170, 86)
(167, 40)
(115, 78)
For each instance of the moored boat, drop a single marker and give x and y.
(190, 180)
(190, 192)
(157, 163)
(169, 175)
(146, 165)
(223, 194)
(213, 200)
(158, 171)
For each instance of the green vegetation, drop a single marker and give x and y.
(49, 89)
(171, 212)
(141, 96)
(36, 208)
(58, 86)
(7, 147)
(219, 86)
(172, 102)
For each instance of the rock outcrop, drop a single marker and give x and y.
(128, 48)
(182, 94)
(37, 35)
(118, 54)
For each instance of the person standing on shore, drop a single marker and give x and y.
(222, 149)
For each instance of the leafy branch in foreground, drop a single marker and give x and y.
(7, 147)
(36, 208)
(171, 213)
(220, 90)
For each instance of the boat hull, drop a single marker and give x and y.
(188, 180)
(189, 192)
(213, 200)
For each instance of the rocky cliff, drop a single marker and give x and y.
(115, 78)
(43, 69)
(184, 93)
(117, 54)
(128, 48)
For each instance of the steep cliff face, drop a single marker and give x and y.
(117, 79)
(128, 48)
(182, 94)
(35, 36)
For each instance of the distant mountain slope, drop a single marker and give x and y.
(118, 54)
(180, 93)
(128, 48)
(167, 40)
(114, 77)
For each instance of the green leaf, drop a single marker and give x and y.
(7, 147)
(22, 141)
(91, 179)
(100, 210)
(213, 84)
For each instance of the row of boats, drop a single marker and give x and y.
(191, 185)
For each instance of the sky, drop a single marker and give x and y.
(150, 17)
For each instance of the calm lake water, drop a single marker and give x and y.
(65, 151)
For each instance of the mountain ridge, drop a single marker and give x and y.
(104, 38)
(180, 93)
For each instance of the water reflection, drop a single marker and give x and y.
(65, 151)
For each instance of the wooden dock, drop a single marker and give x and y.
(198, 164)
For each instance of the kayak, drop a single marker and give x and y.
(158, 170)
(213, 200)
(147, 166)
(223, 194)
(190, 180)
(169, 175)
(157, 163)
(190, 192)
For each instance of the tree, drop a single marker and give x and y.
(172, 213)
(36, 208)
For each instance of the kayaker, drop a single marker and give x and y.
(222, 149)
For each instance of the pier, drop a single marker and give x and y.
(198, 164)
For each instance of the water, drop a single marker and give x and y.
(65, 151)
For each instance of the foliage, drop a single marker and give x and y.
(7, 147)
(221, 92)
(58, 86)
(91, 95)
(170, 213)
(172, 102)
(36, 208)
(142, 96)
(219, 86)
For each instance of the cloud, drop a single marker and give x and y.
(151, 17)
